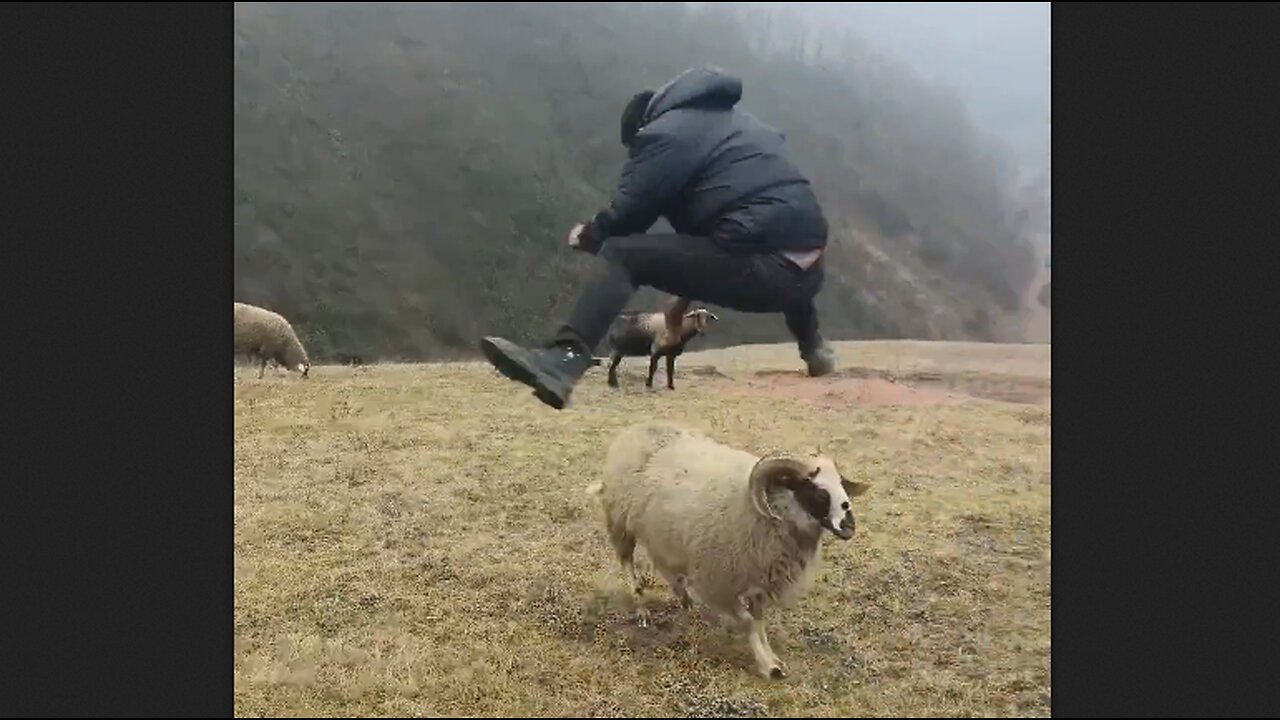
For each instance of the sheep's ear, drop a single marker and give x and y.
(853, 488)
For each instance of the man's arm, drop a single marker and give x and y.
(659, 166)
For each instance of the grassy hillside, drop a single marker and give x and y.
(414, 540)
(405, 174)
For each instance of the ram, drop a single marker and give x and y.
(737, 532)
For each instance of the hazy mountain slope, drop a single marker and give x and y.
(406, 174)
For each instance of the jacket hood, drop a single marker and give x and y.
(706, 87)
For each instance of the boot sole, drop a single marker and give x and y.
(549, 397)
(499, 359)
(513, 369)
(821, 371)
(821, 367)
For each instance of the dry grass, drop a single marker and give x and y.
(415, 540)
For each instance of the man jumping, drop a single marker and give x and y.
(749, 232)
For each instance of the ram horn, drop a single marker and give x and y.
(766, 473)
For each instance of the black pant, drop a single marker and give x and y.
(698, 269)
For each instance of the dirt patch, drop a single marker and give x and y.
(870, 387)
(845, 391)
(991, 386)
(702, 371)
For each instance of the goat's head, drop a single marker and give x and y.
(821, 494)
(699, 319)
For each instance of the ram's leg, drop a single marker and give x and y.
(750, 614)
(262, 369)
(624, 544)
(778, 670)
(756, 609)
(653, 368)
(671, 372)
(679, 583)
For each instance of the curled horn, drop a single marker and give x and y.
(767, 472)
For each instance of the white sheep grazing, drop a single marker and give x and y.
(738, 533)
(264, 335)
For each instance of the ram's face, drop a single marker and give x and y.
(825, 494)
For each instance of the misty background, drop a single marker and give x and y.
(405, 173)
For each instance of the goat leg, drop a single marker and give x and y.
(613, 368)
(681, 588)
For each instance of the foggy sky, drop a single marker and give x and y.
(996, 55)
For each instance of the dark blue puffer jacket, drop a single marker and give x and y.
(712, 169)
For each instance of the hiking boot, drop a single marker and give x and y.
(551, 371)
(821, 360)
